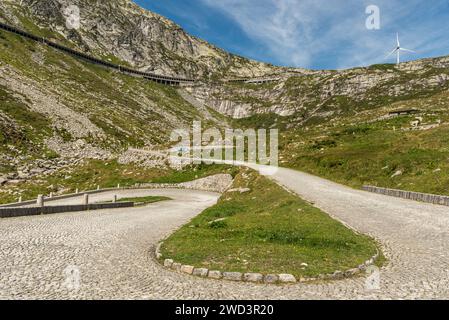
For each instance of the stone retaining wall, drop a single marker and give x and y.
(216, 183)
(417, 196)
(35, 211)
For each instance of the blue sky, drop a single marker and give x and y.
(316, 34)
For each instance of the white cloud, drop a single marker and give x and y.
(309, 32)
(280, 25)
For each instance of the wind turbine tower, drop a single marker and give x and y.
(398, 50)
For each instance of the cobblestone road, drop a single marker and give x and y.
(113, 249)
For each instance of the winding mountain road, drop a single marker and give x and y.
(112, 249)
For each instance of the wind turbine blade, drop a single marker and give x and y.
(407, 50)
(397, 38)
(391, 53)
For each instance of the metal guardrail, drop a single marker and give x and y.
(253, 80)
(147, 75)
(137, 186)
(34, 211)
(61, 197)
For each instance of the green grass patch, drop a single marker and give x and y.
(267, 230)
(372, 153)
(33, 126)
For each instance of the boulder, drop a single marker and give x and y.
(253, 277)
(23, 175)
(14, 181)
(215, 274)
(232, 276)
(200, 272)
(37, 170)
(271, 278)
(397, 174)
(216, 220)
(352, 272)
(168, 263)
(338, 275)
(241, 190)
(287, 278)
(176, 266)
(187, 269)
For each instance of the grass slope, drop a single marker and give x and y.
(362, 150)
(129, 110)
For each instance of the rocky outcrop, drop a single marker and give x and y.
(63, 105)
(78, 149)
(326, 93)
(37, 168)
(145, 158)
(153, 43)
(41, 100)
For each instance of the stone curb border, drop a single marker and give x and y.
(258, 277)
(410, 195)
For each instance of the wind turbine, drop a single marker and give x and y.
(398, 50)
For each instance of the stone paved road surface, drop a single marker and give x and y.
(113, 249)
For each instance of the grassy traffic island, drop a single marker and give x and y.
(258, 226)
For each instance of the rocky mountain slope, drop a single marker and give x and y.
(56, 110)
(53, 105)
(328, 94)
(122, 30)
